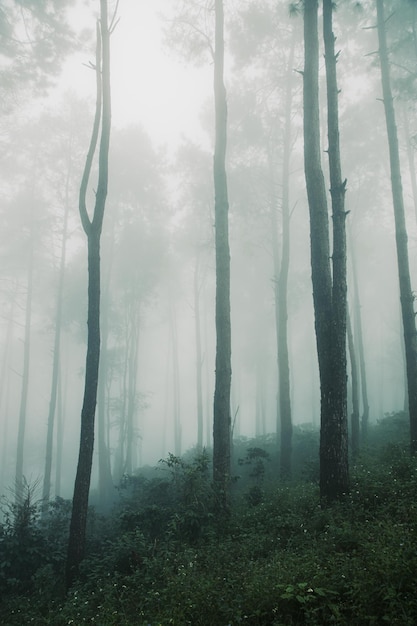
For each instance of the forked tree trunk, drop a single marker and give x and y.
(406, 293)
(223, 374)
(92, 228)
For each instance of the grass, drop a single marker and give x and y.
(280, 560)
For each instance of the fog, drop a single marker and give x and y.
(158, 265)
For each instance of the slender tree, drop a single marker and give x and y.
(354, 421)
(406, 293)
(19, 480)
(56, 350)
(281, 290)
(360, 345)
(92, 228)
(223, 374)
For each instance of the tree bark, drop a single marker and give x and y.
(334, 443)
(92, 228)
(223, 374)
(406, 293)
(329, 296)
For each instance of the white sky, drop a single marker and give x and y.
(163, 93)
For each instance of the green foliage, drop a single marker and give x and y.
(161, 558)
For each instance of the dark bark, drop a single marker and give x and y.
(223, 374)
(334, 442)
(92, 228)
(329, 296)
(406, 294)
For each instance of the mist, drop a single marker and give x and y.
(158, 250)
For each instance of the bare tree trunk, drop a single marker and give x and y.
(61, 395)
(355, 391)
(199, 360)
(56, 354)
(92, 228)
(360, 345)
(5, 385)
(132, 399)
(329, 295)
(25, 378)
(406, 293)
(105, 480)
(176, 392)
(223, 375)
(334, 444)
(281, 298)
(411, 159)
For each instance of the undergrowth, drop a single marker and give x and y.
(162, 558)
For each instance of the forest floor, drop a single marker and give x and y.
(160, 556)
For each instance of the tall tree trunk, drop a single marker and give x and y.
(198, 356)
(56, 353)
(25, 378)
(5, 385)
(132, 399)
(411, 159)
(281, 296)
(223, 374)
(61, 396)
(105, 481)
(355, 430)
(92, 228)
(360, 345)
(329, 296)
(334, 445)
(406, 293)
(175, 378)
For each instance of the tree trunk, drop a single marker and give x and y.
(223, 374)
(61, 396)
(175, 378)
(329, 296)
(92, 228)
(360, 345)
(334, 445)
(281, 296)
(199, 359)
(406, 293)
(355, 392)
(25, 379)
(56, 355)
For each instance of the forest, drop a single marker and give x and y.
(208, 343)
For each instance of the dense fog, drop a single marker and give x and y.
(158, 265)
